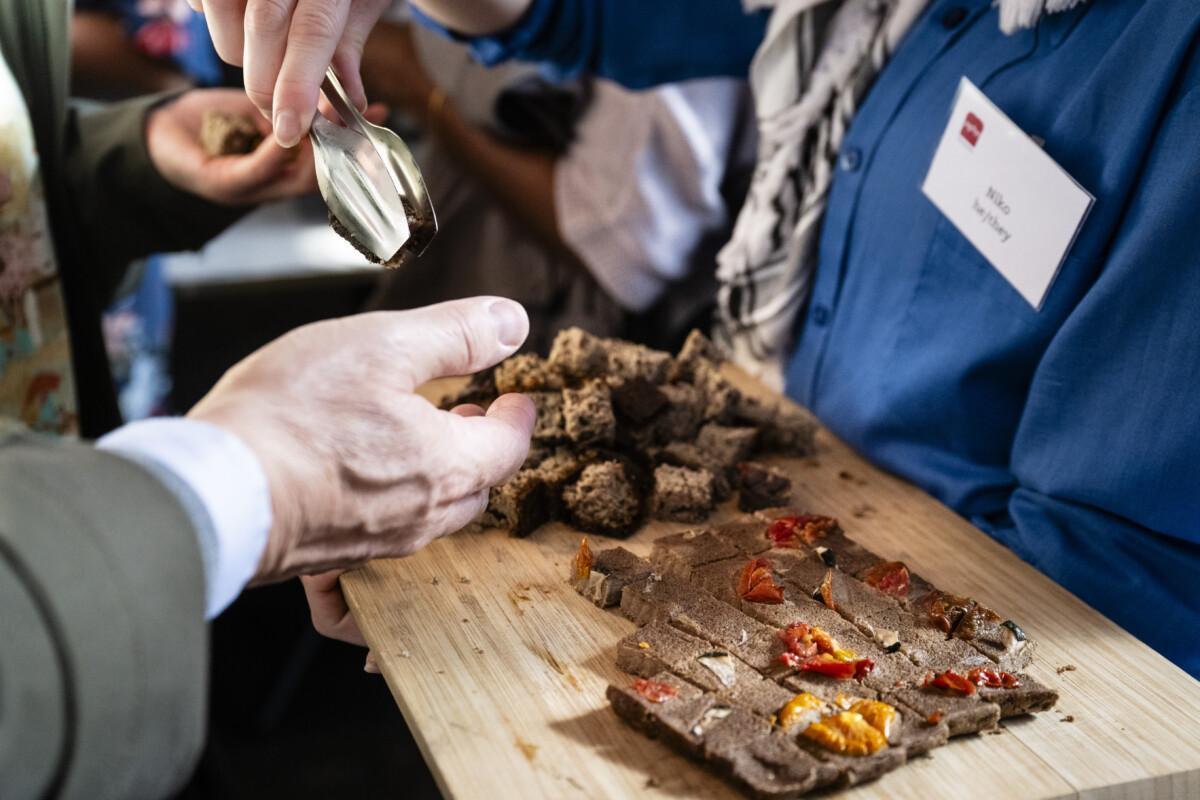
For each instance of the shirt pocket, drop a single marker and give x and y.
(964, 354)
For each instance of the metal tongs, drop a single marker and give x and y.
(371, 182)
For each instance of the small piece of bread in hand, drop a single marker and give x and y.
(227, 134)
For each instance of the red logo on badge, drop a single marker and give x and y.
(972, 129)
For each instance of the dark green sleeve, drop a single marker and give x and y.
(104, 654)
(126, 208)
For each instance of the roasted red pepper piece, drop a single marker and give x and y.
(950, 681)
(654, 691)
(810, 649)
(889, 577)
(993, 679)
(756, 584)
(826, 664)
(800, 530)
(800, 641)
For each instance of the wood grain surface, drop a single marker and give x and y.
(500, 668)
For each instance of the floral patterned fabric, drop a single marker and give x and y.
(36, 384)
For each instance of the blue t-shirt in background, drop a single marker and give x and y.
(1070, 433)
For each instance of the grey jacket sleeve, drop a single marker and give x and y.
(103, 644)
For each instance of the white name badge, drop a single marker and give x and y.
(1010, 200)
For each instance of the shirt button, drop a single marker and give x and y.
(820, 316)
(851, 159)
(953, 17)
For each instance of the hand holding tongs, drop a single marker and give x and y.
(371, 182)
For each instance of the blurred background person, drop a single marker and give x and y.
(590, 204)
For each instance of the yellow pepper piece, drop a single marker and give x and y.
(798, 707)
(643, 645)
(879, 716)
(843, 701)
(840, 654)
(846, 733)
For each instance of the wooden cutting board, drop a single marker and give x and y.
(500, 668)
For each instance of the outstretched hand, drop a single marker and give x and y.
(268, 173)
(359, 466)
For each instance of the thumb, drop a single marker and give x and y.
(497, 442)
(459, 337)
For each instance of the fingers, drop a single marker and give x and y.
(316, 28)
(463, 513)
(455, 338)
(266, 32)
(225, 24)
(467, 410)
(331, 615)
(496, 444)
(5, 187)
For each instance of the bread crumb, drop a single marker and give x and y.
(1065, 668)
(528, 749)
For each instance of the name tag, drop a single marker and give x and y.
(1009, 199)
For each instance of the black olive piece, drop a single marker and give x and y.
(1015, 628)
(712, 654)
(816, 595)
(828, 556)
(894, 647)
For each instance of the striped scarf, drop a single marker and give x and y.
(806, 96)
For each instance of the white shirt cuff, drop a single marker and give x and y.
(220, 484)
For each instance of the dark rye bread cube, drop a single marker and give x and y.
(681, 415)
(525, 372)
(875, 614)
(687, 454)
(726, 446)
(1028, 698)
(531, 497)
(612, 570)
(682, 494)
(227, 134)
(761, 486)
(679, 553)
(577, 355)
(659, 647)
(720, 396)
(961, 715)
(764, 763)
(549, 427)
(663, 598)
(523, 504)
(673, 720)
(588, 414)
(697, 350)
(784, 428)
(603, 499)
(637, 400)
(628, 361)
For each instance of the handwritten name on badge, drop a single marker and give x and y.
(1009, 199)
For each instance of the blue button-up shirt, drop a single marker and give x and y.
(1069, 433)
